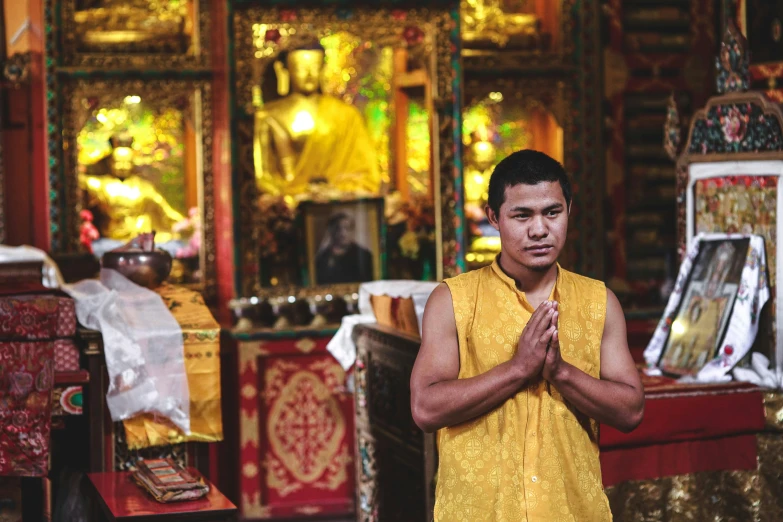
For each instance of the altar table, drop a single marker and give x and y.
(702, 452)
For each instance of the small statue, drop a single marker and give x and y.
(307, 136)
(479, 164)
(124, 203)
(122, 22)
(486, 19)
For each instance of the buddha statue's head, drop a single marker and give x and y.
(302, 67)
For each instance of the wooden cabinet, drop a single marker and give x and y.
(395, 460)
(296, 429)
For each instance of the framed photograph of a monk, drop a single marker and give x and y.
(343, 241)
(708, 299)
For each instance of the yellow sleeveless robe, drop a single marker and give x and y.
(534, 458)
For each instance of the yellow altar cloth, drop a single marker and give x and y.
(201, 339)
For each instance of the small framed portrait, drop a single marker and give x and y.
(343, 241)
(708, 299)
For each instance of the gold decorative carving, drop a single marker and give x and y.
(278, 477)
(250, 470)
(747, 495)
(160, 93)
(248, 429)
(248, 352)
(305, 426)
(336, 473)
(305, 345)
(375, 25)
(249, 391)
(99, 47)
(486, 20)
(252, 508)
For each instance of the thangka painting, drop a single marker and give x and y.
(708, 299)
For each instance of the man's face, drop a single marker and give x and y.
(533, 222)
(344, 233)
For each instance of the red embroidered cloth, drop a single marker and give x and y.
(30, 325)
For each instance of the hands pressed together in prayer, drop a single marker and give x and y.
(538, 351)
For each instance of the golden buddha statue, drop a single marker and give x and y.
(486, 19)
(480, 161)
(125, 204)
(119, 22)
(307, 136)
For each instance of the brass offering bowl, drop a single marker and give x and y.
(145, 268)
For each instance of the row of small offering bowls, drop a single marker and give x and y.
(286, 312)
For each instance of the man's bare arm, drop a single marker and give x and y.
(617, 398)
(438, 397)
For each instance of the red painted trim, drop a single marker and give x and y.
(221, 154)
(678, 458)
(39, 148)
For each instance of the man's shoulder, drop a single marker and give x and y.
(467, 279)
(582, 281)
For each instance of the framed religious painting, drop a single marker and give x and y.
(350, 104)
(761, 21)
(343, 241)
(136, 159)
(132, 34)
(708, 299)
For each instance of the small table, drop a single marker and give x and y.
(120, 498)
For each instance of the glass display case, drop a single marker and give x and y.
(345, 131)
(136, 161)
(499, 118)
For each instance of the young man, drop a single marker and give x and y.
(519, 361)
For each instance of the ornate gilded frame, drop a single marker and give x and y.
(160, 92)
(385, 25)
(577, 64)
(552, 94)
(198, 56)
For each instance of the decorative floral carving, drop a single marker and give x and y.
(735, 127)
(277, 233)
(672, 136)
(732, 62)
(368, 504)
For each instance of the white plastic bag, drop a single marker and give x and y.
(143, 346)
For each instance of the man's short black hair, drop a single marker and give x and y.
(528, 167)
